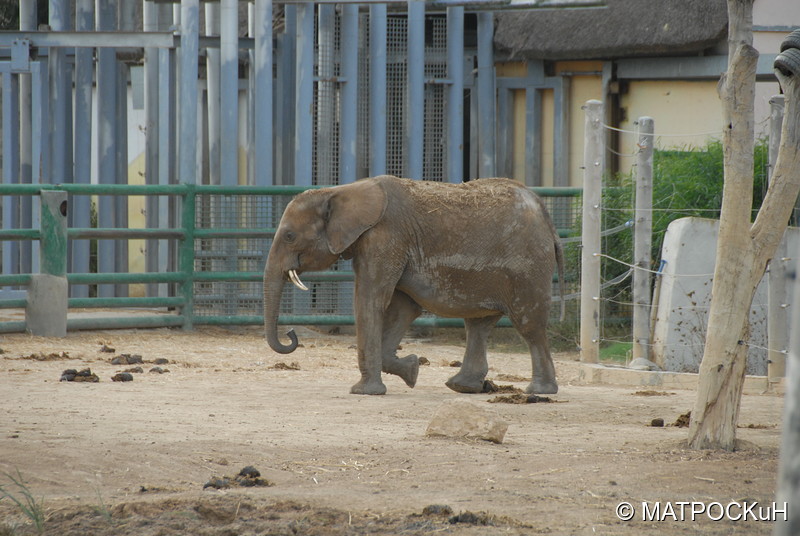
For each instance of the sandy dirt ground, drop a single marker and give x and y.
(127, 458)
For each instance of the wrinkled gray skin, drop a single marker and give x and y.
(476, 251)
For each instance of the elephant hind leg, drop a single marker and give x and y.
(474, 367)
(401, 313)
(544, 373)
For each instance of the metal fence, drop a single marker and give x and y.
(220, 244)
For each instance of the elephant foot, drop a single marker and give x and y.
(363, 387)
(460, 383)
(542, 388)
(406, 367)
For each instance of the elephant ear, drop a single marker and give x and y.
(352, 210)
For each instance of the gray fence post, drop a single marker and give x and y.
(777, 315)
(642, 240)
(46, 313)
(590, 232)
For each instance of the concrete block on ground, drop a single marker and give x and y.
(46, 314)
(463, 419)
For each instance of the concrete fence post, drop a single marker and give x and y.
(46, 313)
(777, 314)
(643, 240)
(590, 232)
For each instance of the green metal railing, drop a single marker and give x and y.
(53, 259)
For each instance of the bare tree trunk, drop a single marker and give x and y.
(743, 250)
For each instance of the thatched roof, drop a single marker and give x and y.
(625, 28)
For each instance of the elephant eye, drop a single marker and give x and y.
(289, 237)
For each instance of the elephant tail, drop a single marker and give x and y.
(560, 262)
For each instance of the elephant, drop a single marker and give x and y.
(476, 250)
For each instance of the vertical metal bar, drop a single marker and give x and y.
(262, 134)
(415, 114)
(533, 137)
(455, 96)
(187, 143)
(229, 92)
(590, 232)
(121, 175)
(778, 315)
(324, 141)
(304, 122)
(186, 255)
(167, 148)
(377, 92)
(212, 27)
(80, 205)
(150, 24)
(561, 138)
(40, 157)
(107, 77)
(22, 213)
(11, 143)
(56, 64)
(643, 239)
(486, 95)
(286, 97)
(505, 132)
(348, 94)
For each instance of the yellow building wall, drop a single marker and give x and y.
(586, 84)
(685, 115)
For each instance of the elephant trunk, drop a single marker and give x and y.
(273, 289)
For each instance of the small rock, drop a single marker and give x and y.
(127, 359)
(107, 349)
(158, 370)
(122, 377)
(134, 370)
(424, 361)
(161, 361)
(455, 364)
(657, 422)
(461, 418)
(471, 518)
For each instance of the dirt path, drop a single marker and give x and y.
(133, 457)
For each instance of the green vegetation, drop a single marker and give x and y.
(24, 500)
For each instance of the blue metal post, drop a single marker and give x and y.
(377, 89)
(324, 141)
(415, 119)
(262, 142)
(22, 209)
(286, 98)
(150, 24)
(229, 92)
(80, 205)
(107, 77)
(303, 158)
(486, 96)
(348, 94)
(10, 100)
(455, 96)
(61, 167)
(187, 98)
(166, 142)
(213, 62)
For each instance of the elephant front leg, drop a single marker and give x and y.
(369, 327)
(401, 313)
(474, 367)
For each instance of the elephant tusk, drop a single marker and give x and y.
(296, 280)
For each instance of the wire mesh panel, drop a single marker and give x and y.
(434, 148)
(326, 97)
(236, 255)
